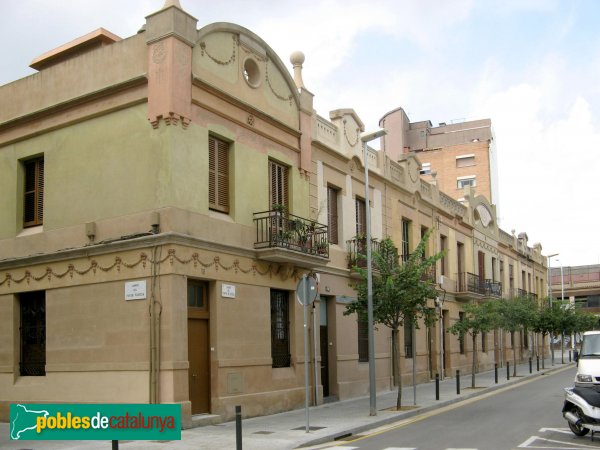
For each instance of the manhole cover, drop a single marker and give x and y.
(263, 432)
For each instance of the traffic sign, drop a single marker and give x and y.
(306, 290)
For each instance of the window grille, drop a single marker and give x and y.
(32, 307)
(280, 329)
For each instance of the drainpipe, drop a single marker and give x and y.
(155, 315)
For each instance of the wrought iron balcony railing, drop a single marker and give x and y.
(469, 282)
(493, 288)
(282, 230)
(358, 246)
(429, 275)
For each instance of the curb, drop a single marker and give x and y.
(424, 409)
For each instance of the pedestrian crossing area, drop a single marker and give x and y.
(346, 447)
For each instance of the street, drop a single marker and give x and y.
(525, 416)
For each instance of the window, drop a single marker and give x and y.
(484, 342)
(465, 160)
(278, 185)
(280, 328)
(425, 168)
(363, 338)
(511, 279)
(405, 239)
(332, 214)
(33, 206)
(465, 181)
(32, 307)
(424, 231)
(408, 338)
(443, 248)
(197, 295)
(218, 175)
(460, 256)
(361, 217)
(461, 335)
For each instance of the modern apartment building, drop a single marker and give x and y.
(580, 285)
(161, 196)
(452, 155)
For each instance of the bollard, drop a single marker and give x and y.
(238, 427)
(458, 382)
(115, 445)
(530, 366)
(437, 386)
(508, 370)
(537, 362)
(569, 355)
(496, 373)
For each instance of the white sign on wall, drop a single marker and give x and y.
(228, 290)
(135, 290)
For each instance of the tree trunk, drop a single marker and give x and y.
(514, 356)
(395, 357)
(562, 348)
(397, 367)
(543, 350)
(474, 360)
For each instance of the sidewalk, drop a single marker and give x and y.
(327, 422)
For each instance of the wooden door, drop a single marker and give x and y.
(199, 371)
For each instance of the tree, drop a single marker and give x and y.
(479, 318)
(514, 315)
(400, 293)
(544, 321)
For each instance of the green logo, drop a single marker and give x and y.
(95, 422)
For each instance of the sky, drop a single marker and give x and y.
(531, 66)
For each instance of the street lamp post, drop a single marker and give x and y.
(550, 294)
(366, 137)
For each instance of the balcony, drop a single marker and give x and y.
(469, 286)
(358, 246)
(493, 288)
(286, 238)
(430, 275)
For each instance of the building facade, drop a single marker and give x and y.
(453, 155)
(161, 197)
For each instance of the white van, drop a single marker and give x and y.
(588, 360)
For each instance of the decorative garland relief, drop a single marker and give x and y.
(216, 263)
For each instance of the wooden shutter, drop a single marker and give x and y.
(33, 208)
(332, 214)
(218, 174)
(278, 185)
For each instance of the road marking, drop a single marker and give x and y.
(532, 439)
(556, 430)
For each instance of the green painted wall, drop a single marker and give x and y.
(117, 164)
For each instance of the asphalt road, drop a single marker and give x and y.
(525, 416)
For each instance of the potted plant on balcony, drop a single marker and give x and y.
(322, 247)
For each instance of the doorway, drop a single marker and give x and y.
(324, 346)
(198, 347)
